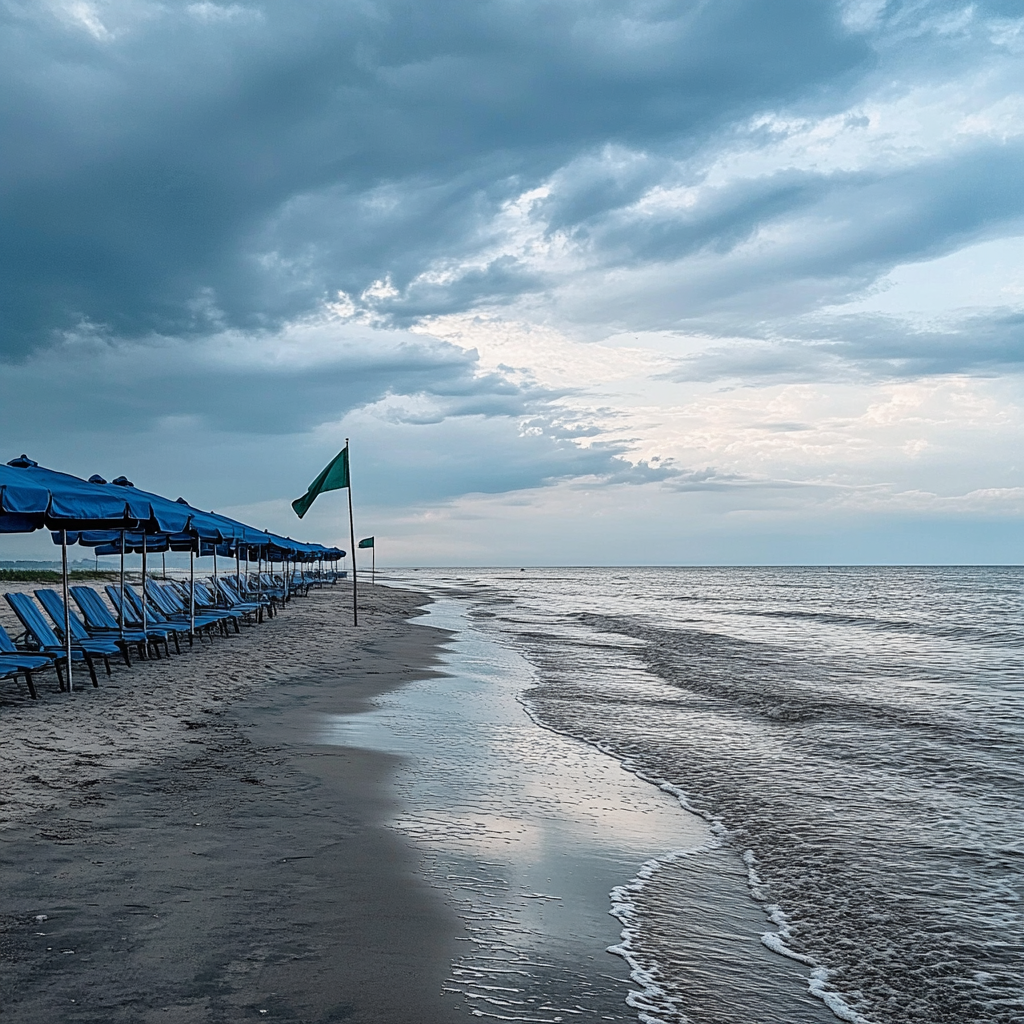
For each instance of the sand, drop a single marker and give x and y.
(173, 846)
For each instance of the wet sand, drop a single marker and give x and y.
(175, 847)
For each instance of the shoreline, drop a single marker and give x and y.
(527, 832)
(245, 870)
(695, 931)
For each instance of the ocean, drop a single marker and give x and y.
(850, 740)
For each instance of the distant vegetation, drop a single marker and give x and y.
(51, 575)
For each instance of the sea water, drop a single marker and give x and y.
(852, 740)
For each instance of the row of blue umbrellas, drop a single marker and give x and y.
(96, 513)
(116, 518)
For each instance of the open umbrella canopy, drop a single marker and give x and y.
(172, 525)
(167, 516)
(282, 548)
(32, 497)
(314, 552)
(108, 542)
(118, 517)
(23, 503)
(231, 535)
(179, 527)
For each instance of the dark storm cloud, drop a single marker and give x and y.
(854, 225)
(182, 167)
(990, 342)
(834, 235)
(223, 415)
(230, 385)
(867, 346)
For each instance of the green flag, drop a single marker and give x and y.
(366, 542)
(333, 478)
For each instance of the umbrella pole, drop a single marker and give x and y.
(192, 590)
(120, 610)
(163, 564)
(67, 607)
(238, 571)
(144, 547)
(214, 561)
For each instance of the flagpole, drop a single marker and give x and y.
(352, 539)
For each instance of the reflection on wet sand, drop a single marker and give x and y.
(526, 831)
(531, 836)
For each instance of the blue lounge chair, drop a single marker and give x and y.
(235, 590)
(100, 622)
(175, 598)
(155, 635)
(13, 662)
(206, 601)
(13, 669)
(250, 591)
(272, 588)
(53, 605)
(38, 630)
(178, 592)
(154, 618)
(94, 648)
(298, 585)
(176, 612)
(231, 601)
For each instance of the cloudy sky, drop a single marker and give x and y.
(585, 282)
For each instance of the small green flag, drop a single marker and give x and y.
(366, 542)
(333, 478)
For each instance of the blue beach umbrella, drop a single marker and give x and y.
(171, 525)
(45, 498)
(33, 497)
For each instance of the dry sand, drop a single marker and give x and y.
(175, 846)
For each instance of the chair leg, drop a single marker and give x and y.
(106, 661)
(60, 675)
(92, 669)
(31, 685)
(124, 653)
(177, 646)
(167, 649)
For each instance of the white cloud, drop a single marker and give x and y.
(210, 12)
